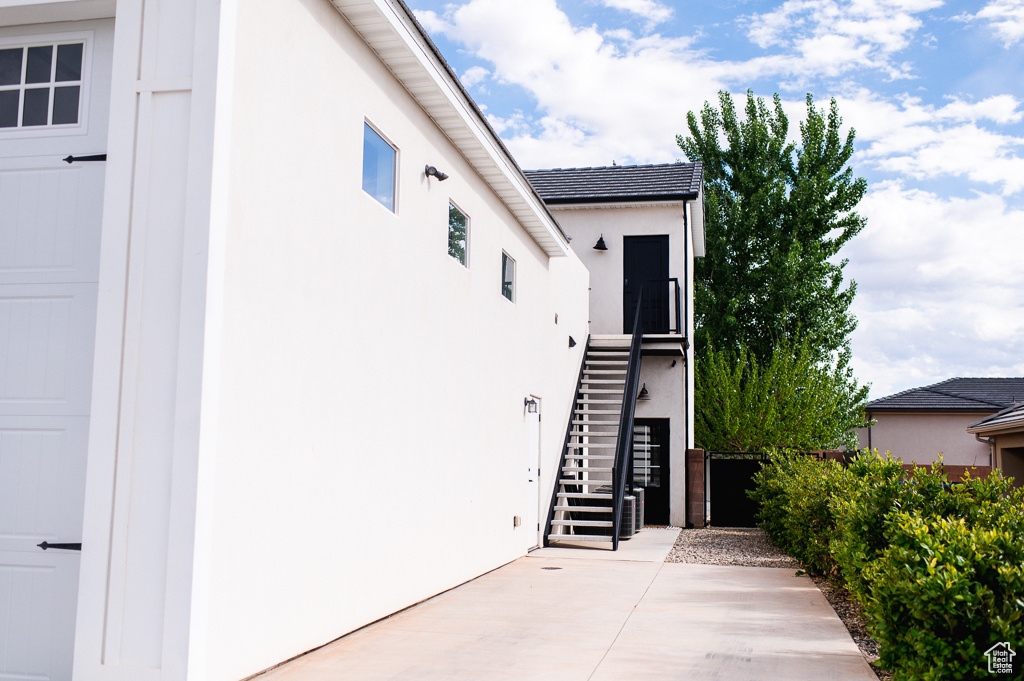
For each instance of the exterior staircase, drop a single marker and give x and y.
(583, 508)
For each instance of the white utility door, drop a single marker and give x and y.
(531, 521)
(54, 89)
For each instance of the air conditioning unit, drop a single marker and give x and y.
(639, 493)
(627, 528)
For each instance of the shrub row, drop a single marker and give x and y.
(938, 567)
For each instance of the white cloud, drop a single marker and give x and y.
(834, 36)
(1004, 17)
(474, 75)
(905, 136)
(938, 288)
(600, 96)
(654, 12)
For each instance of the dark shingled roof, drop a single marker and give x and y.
(618, 184)
(955, 394)
(1010, 417)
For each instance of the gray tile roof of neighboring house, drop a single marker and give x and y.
(1007, 418)
(955, 394)
(618, 184)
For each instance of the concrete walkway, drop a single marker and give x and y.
(584, 614)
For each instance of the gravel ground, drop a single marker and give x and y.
(750, 546)
(728, 546)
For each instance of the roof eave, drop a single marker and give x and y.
(649, 198)
(933, 410)
(393, 33)
(996, 428)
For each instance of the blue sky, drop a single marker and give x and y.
(934, 90)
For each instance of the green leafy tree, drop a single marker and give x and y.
(792, 401)
(776, 215)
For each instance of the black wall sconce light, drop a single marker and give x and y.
(600, 245)
(531, 405)
(572, 342)
(432, 171)
(644, 395)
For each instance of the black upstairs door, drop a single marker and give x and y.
(645, 265)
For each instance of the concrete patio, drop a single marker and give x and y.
(578, 614)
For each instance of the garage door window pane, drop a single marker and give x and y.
(37, 105)
(38, 68)
(9, 108)
(10, 66)
(69, 62)
(65, 105)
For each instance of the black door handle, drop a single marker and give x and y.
(93, 157)
(69, 547)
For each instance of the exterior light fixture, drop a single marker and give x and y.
(644, 395)
(431, 170)
(600, 245)
(572, 342)
(531, 405)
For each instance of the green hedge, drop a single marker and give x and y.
(938, 567)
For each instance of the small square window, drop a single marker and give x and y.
(29, 78)
(458, 234)
(379, 164)
(508, 276)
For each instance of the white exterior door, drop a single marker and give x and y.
(531, 520)
(54, 93)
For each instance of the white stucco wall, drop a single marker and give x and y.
(370, 439)
(586, 223)
(665, 386)
(918, 438)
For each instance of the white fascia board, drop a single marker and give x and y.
(388, 29)
(696, 218)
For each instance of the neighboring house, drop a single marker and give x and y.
(279, 321)
(1004, 430)
(640, 227)
(917, 424)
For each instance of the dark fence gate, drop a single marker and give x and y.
(729, 477)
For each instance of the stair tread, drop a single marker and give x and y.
(588, 483)
(584, 495)
(586, 469)
(578, 537)
(581, 523)
(588, 445)
(584, 509)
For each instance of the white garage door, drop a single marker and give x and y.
(54, 88)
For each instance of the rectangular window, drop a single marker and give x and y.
(379, 166)
(458, 234)
(41, 85)
(508, 276)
